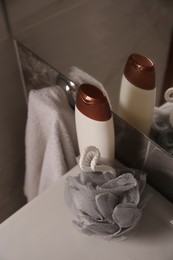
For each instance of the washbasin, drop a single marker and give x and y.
(43, 229)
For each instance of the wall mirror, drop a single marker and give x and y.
(97, 37)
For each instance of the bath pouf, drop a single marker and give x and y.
(105, 201)
(162, 127)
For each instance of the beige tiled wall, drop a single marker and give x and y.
(12, 127)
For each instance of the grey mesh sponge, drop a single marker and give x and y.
(162, 128)
(104, 204)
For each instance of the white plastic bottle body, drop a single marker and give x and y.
(96, 133)
(136, 105)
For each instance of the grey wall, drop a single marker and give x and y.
(96, 35)
(12, 127)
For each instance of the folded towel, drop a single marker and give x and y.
(51, 142)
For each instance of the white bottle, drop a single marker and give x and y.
(138, 92)
(94, 121)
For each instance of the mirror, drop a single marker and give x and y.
(97, 37)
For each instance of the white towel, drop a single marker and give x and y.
(51, 142)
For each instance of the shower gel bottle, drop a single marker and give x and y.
(94, 121)
(138, 92)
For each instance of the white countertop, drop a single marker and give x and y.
(43, 230)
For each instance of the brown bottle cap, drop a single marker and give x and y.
(92, 102)
(140, 71)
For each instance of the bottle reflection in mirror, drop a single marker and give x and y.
(138, 92)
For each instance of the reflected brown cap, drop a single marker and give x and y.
(140, 71)
(92, 102)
